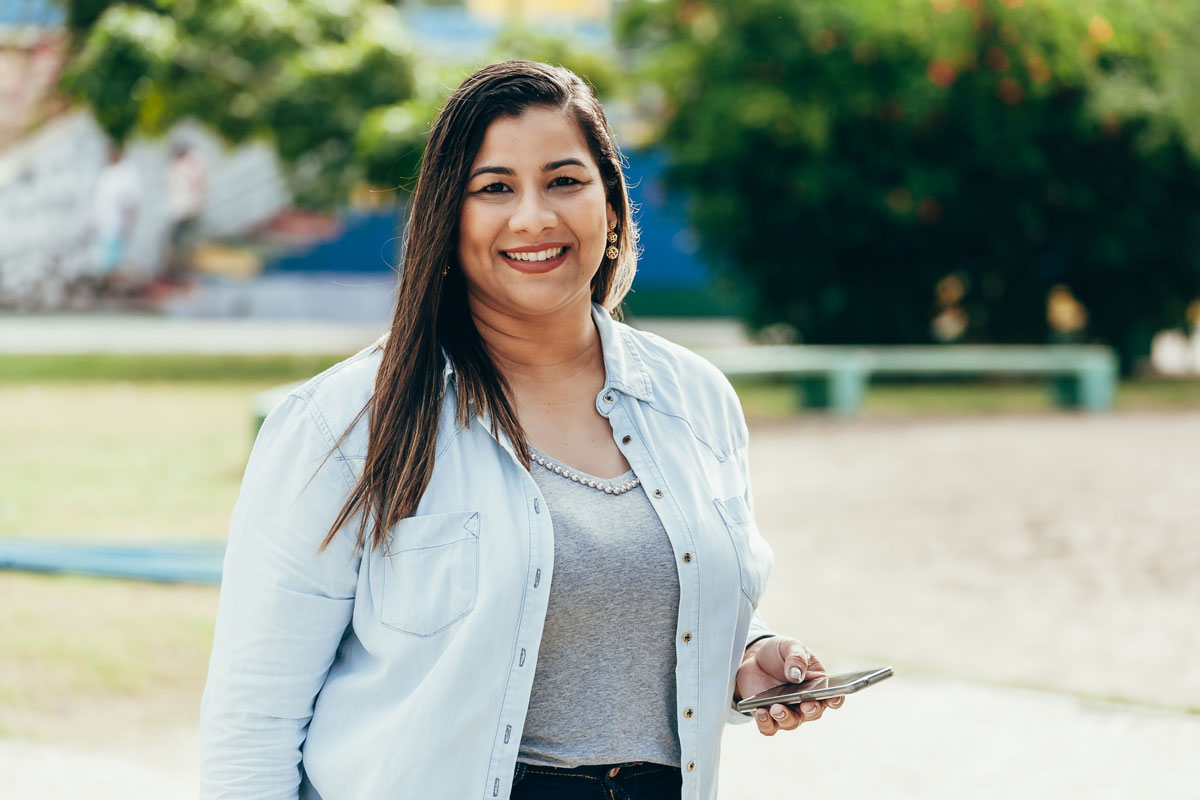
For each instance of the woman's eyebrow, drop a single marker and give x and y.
(490, 169)
(562, 162)
(547, 167)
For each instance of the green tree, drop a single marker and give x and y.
(301, 74)
(864, 167)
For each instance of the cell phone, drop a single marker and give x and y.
(816, 688)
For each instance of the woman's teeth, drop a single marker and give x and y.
(540, 255)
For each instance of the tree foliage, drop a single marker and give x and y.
(334, 86)
(302, 74)
(891, 171)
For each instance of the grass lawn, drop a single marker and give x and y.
(96, 663)
(122, 460)
(186, 368)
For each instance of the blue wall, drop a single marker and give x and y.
(669, 248)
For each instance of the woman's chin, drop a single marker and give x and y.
(547, 298)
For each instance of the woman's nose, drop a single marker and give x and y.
(532, 214)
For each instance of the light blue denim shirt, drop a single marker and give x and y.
(406, 674)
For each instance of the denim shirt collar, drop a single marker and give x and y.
(624, 369)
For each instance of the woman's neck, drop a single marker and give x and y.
(544, 349)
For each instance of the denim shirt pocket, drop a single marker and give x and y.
(753, 553)
(430, 575)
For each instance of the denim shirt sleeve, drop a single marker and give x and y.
(283, 608)
(758, 626)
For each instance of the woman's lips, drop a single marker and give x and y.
(535, 267)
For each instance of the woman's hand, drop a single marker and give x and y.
(770, 662)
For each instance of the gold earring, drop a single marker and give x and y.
(612, 251)
(445, 270)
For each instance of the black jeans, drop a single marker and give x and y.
(639, 780)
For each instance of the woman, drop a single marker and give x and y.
(507, 550)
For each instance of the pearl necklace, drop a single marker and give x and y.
(584, 480)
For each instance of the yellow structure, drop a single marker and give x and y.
(226, 262)
(581, 10)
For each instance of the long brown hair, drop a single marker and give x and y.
(431, 302)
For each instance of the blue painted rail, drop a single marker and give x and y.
(164, 563)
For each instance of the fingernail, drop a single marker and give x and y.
(794, 675)
(762, 715)
(779, 715)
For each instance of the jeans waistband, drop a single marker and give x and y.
(628, 769)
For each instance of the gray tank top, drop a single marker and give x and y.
(604, 688)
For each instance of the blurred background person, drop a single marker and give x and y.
(115, 204)
(187, 191)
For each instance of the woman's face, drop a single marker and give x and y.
(535, 217)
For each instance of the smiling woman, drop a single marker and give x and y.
(509, 550)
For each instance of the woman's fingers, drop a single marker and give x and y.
(810, 710)
(785, 717)
(766, 723)
(798, 660)
(778, 718)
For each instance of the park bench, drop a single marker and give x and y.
(835, 377)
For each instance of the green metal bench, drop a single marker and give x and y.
(836, 377)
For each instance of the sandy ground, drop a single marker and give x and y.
(948, 740)
(1035, 581)
(1054, 551)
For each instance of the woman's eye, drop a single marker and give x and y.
(563, 180)
(493, 188)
